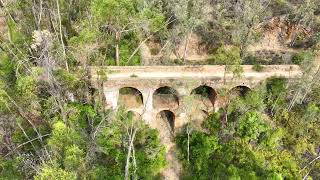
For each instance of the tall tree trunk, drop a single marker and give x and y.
(130, 147)
(188, 145)
(225, 74)
(186, 46)
(117, 55)
(118, 34)
(61, 37)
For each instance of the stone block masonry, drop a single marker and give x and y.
(170, 84)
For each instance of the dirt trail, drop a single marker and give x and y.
(173, 169)
(172, 172)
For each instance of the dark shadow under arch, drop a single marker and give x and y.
(165, 97)
(205, 94)
(130, 97)
(169, 119)
(239, 91)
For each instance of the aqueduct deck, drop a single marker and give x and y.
(162, 88)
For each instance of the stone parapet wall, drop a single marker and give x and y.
(152, 76)
(197, 68)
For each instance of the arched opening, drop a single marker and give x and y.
(166, 121)
(239, 91)
(165, 97)
(130, 97)
(205, 95)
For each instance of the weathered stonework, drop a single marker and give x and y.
(147, 79)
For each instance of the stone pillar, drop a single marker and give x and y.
(219, 102)
(148, 104)
(112, 95)
(183, 92)
(180, 120)
(148, 99)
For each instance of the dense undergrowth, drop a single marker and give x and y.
(54, 124)
(260, 139)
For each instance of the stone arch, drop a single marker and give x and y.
(241, 91)
(206, 95)
(166, 120)
(130, 97)
(165, 98)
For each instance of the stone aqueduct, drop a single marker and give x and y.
(160, 89)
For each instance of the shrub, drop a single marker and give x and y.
(226, 56)
(302, 57)
(258, 67)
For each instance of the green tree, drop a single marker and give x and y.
(230, 58)
(117, 17)
(239, 21)
(55, 173)
(142, 156)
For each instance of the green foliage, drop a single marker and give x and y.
(272, 139)
(116, 12)
(79, 114)
(239, 20)
(85, 37)
(155, 19)
(224, 56)
(280, 7)
(74, 158)
(201, 148)
(15, 35)
(228, 57)
(252, 101)
(64, 137)
(149, 154)
(48, 137)
(251, 144)
(126, 50)
(303, 57)
(258, 67)
(3, 99)
(66, 79)
(7, 68)
(9, 169)
(276, 94)
(276, 86)
(26, 86)
(251, 125)
(55, 174)
(151, 157)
